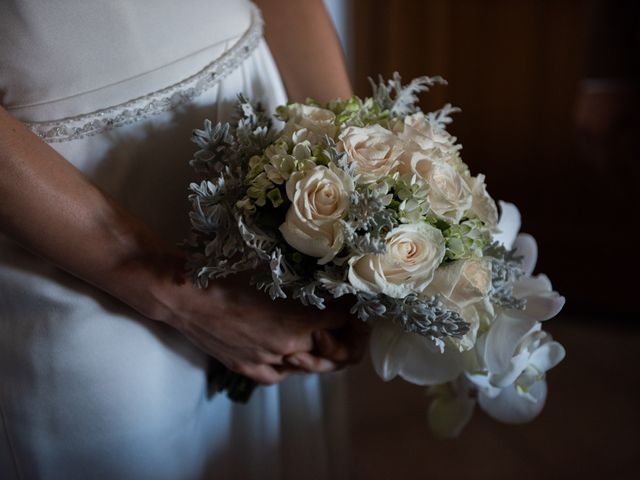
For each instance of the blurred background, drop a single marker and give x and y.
(550, 113)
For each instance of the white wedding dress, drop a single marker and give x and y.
(88, 388)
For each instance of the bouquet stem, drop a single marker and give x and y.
(238, 387)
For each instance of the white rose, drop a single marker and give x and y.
(374, 151)
(482, 205)
(315, 121)
(414, 252)
(463, 282)
(426, 135)
(468, 340)
(319, 199)
(464, 285)
(479, 316)
(449, 195)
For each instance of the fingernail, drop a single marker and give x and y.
(327, 365)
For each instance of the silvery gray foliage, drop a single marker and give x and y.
(506, 268)
(281, 275)
(369, 220)
(364, 243)
(254, 128)
(214, 237)
(251, 114)
(216, 144)
(340, 158)
(229, 244)
(427, 317)
(254, 238)
(334, 281)
(308, 296)
(205, 216)
(229, 144)
(368, 306)
(400, 99)
(442, 117)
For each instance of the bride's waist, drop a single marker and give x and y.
(69, 86)
(44, 108)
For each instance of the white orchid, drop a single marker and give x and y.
(512, 357)
(512, 387)
(411, 356)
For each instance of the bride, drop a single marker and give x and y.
(104, 348)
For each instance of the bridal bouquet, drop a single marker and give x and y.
(370, 198)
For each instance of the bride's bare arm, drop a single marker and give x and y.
(52, 209)
(306, 48)
(49, 207)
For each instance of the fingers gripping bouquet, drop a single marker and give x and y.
(370, 198)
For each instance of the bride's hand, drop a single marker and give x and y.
(250, 333)
(344, 345)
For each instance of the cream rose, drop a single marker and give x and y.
(414, 252)
(319, 199)
(419, 130)
(464, 286)
(373, 150)
(482, 205)
(449, 195)
(463, 282)
(310, 122)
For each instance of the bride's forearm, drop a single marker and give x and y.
(306, 48)
(49, 207)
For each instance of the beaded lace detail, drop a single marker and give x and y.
(80, 126)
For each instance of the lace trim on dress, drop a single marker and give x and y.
(80, 126)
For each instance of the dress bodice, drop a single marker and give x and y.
(76, 54)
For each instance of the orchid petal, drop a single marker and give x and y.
(531, 285)
(386, 349)
(424, 364)
(517, 365)
(527, 247)
(481, 381)
(540, 307)
(509, 224)
(503, 338)
(547, 356)
(512, 407)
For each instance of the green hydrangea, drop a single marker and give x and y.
(411, 194)
(346, 111)
(466, 239)
(257, 190)
(275, 197)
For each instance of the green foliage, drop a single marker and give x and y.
(466, 239)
